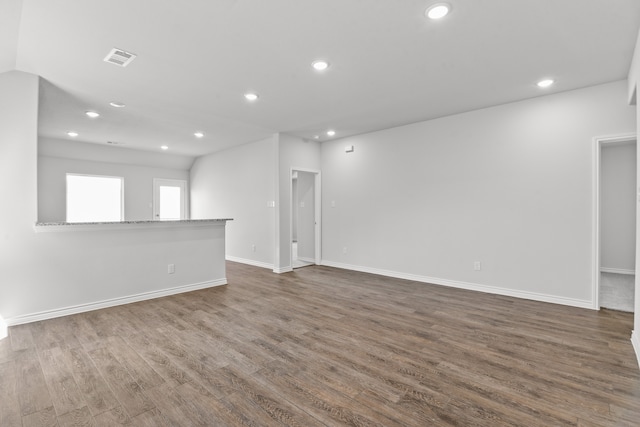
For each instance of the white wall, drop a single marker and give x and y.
(138, 185)
(50, 272)
(239, 183)
(294, 153)
(633, 80)
(18, 186)
(509, 186)
(636, 318)
(294, 201)
(118, 264)
(80, 150)
(618, 207)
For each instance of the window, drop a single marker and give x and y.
(93, 198)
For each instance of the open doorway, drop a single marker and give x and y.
(615, 222)
(305, 217)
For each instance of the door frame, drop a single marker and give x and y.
(182, 183)
(317, 189)
(598, 144)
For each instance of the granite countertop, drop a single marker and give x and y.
(176, 222)
(61, 226)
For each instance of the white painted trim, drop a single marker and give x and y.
(50, 314)
(277, 205)
(597, 144)
(317, 188)
(249, 262)
(307, 260)
(281, 270)
(466, 285)
(635, 341)
(184, 195)
(617, 271)
(290, 239)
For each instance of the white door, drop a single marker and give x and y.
(169, 199)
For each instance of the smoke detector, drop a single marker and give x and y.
(120, 57)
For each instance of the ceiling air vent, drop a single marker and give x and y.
(120, 57)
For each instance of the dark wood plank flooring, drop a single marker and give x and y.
(323, 347)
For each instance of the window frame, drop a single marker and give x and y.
(66, 182)
(183, 184)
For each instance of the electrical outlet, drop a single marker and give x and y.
(171, 268)
(344, 250)
(477, 266)
(253, 248)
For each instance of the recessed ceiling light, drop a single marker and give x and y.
(331, 132)
(316, 136)
(72, 134)
(199, 134)
(251, 96)
(320, 65)
(164, 147)
(437, 11)
(117, 104)
(92, 114)
(545, 83)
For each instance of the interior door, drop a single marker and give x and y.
(169, 199)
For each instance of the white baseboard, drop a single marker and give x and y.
(249, 262)
(281, 270)
(307, 260)
(635, 340)
(50, 314)
(467, 285)
(617, 271)
(259, 264)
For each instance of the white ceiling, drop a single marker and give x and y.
(389, 64)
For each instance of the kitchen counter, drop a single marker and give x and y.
(88, 226)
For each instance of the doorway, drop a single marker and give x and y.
(169, 199)
(305, 217)
(615, 222)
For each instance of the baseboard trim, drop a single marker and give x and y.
(617, 271)
(467, 285)
(50, 314)
(259, 264)
(249, 262)
(635, 341)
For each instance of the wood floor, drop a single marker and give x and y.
(323, 347)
